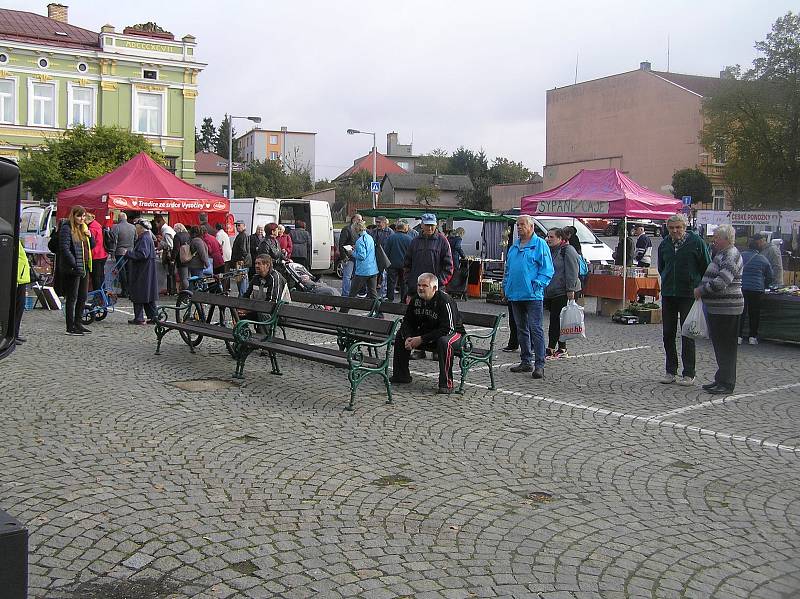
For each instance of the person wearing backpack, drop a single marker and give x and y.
(182, 254)
(562, 288)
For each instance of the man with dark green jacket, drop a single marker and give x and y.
(682, 260)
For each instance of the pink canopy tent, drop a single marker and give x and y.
(142, 185)
(604, 192)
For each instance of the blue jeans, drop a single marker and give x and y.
(347, 274)
(528, 316)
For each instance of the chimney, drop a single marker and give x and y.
(391, 142)
(644, 66)
(58, 12)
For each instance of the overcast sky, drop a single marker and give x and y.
(447, 73)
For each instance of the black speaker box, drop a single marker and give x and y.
(13, 558)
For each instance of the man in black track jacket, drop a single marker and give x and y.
(431, 322)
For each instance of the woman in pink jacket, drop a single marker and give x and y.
(99, 253)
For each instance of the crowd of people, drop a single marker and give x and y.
(384, 260)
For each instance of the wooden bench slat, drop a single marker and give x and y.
(224, 301)
(353, 303)
(334, 319)
(477, 319)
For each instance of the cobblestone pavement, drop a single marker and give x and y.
(596, 482)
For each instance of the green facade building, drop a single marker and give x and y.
(54, 75)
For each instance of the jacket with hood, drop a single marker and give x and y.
(529, 268)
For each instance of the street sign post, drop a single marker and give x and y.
(375, 187)
(687, 200)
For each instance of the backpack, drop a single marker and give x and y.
(52, 245)
(583, 266)
(185, 253)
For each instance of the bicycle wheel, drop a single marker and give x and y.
(87, 317)
(228, 318)
(101, 314)
(192, 313)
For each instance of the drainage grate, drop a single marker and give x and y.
(205, 385)
(393, 480)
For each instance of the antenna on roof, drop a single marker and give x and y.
(576, 66)
(668, 53)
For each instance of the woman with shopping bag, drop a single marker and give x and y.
(562, 288)
(721, 292)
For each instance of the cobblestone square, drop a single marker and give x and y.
(597, 482)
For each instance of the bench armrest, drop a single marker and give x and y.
(243, 331)
(355, 353)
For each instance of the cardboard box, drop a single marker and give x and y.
(649, 316)
(652, 272)
(609, 306)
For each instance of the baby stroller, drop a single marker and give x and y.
(100, 301)
(457, 287)
(297, 276)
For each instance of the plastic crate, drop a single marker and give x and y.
(30, 301)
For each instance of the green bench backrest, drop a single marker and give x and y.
(354, 303)
(335, 319)
(237, 303)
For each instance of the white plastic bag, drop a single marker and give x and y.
(695, 325)
(572, 322)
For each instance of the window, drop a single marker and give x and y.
(148, 113)
(171, 164)
(82, 106)
(7, 100)
(720, 156)
(43, 63)
(403, 165)
(42, 104)
(719, 199)
(82, 67)
(150, 74)
(3, 58)
(273, 155)
(273, 139)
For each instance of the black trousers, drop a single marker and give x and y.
(445, 346)
(359, 282)
(98, 272)
(22, 291)
(723, 330)
(674, 310)
(555, 304)
(395, 277)
(123, 277)
(513, 342)
(75, 290)
(752, 307)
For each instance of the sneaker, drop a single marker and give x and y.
(740, 340)
(753, 341)
(74, 333)
(538, 373)
(399, 380)
(686, 381)
(549, 353)
(82, 329)
(521, 368)
(668, 379)
(509, 349)
(444, 391)
(136, 322)
(561, 353)
(708, 386)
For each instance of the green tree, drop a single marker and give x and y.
(79, 155)
(467, 162)
(268, 179)
(435, 163)
(427, 195)
(221, 145)
(507, 171)
(692, 182)
(207, 140)
(755, 121)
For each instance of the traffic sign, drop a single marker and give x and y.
(687, 200)
(375, 187)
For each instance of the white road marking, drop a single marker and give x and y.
(724, 400)
(633, 418)
(123, 311)
(600, 353)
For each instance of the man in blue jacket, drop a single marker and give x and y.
(529, 268)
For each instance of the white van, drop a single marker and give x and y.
(285, 211)
(36, 222)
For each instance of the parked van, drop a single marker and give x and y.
(285, 211)
(36, 222)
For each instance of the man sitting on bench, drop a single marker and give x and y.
(266, 285)
(432, 322)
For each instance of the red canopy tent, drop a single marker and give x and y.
(142, 185)
(603, 192)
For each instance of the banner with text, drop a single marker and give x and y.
(167, 204)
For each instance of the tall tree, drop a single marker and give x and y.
(435, 163)
(692, 182)
(507, 171)
(755, 121)
(221, 146)
(79, 155)
(207, 140)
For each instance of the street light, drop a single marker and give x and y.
(256, 120)
(374, 161)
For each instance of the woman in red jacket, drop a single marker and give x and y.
(99, 253)
(215, 252)
(284, 242)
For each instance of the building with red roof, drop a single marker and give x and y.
(55, 75)
(364, 163)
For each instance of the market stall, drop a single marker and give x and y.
(780, 316)
(607, 193)
(141, 186)
(610, 286)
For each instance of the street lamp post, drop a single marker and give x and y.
(256, 120)
(374, 161)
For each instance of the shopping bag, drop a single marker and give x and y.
(572, 322)
(695, 325)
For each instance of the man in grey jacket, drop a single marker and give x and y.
(123, 236)
(773, 255)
